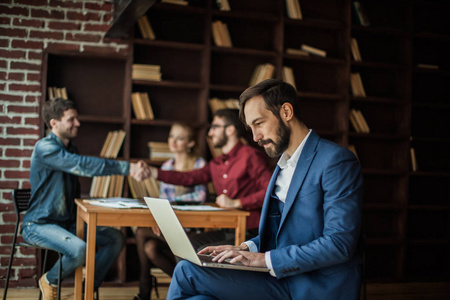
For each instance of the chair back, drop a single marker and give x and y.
(21, 198)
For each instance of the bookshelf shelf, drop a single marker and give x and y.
(169, 84)
(245, 51)
(246, 15)
(101, 119)
(169, 44)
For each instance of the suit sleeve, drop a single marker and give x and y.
(341, 187)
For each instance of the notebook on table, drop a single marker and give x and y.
(178, 240)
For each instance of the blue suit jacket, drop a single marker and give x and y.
(320, 224)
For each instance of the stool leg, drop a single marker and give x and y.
(43, 270)
(11, 257)
(59, 276)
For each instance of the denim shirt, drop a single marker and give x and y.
(54, 179)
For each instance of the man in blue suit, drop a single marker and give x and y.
(310, 221)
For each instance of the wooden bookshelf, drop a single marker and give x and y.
(402, 101)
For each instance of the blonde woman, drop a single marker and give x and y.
(152, 248)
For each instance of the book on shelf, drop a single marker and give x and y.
(353, 149)
(294, 10)
(55, 92)
(223, 5)
(413, 160)
(145, 188)
(294, 51)
(215, 104)
(358, 121)
(428, 66)
(360, 14)
(159, 151)
(313, 50)
(288, 76)
(146, 28)
(141, 106)
(355, 50)
(357, 85)
(221, 35)
(262, 72)
(146, 72)
(176, 2)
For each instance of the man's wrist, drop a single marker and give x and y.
(244, 246)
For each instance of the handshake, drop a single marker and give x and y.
(141, 171)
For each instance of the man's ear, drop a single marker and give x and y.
(230, 130)
(53, 122)
(287, 111)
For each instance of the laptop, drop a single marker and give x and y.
(178, 240)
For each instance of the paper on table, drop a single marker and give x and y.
(196, 207)
(117, 202)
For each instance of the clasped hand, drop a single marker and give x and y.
(236, 254)
(139, 170)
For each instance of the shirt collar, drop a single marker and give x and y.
(233, 151)
(287, 160)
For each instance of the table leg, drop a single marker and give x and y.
(79, 270)
(90, 256)
(240, 231)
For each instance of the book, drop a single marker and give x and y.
(159, 151)
(413, 160)
(146, 28)
(313, 50)
(355, 50)
(141, 106)
(221, 35)
(216, 104)
(293, 51)
(146, 72)
(360, 14)
(357, 85)
(354, 122)
(288, 76)
(177, 2)
(293, 9)
(55, 92)
(428, 66)
(358, 121)
(262, 72)
(223, 5)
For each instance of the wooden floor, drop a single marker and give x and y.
(406, 291)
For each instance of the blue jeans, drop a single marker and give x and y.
(73, 249)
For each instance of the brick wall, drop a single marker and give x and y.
(27, 27)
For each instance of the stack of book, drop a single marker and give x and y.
(288, 76)
(177, 2)
(262, 72)
(220, 34)
(223, 5)
(145, 188)
(145, 28)
(357, 85)
(313, 50)
(54, 92)
(159, 151)
(358, 121)
(293, 9)
(109, 186)
(355, 50)
(146, 72)
(141, 106)
(216, 104)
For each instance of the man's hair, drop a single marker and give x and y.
(275, 93)
(231, 117)
(54, 109)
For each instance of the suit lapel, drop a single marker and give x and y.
(265, 208)
(304, 162)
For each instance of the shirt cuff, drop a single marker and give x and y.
(269, 264)
(251, 246)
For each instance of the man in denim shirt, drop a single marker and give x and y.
(50, 219)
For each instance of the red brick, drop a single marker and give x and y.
(21, 130)
(2, 75)
(16, 76)
(16, 174)
(34, 55)
(12, 32)
(95, 6)
(24, 87)
(66, 47)
(6, 207)
(8, 228)
(7, 196)
(2, 86)
(107, 18)
(9, 141)
(21, 11)
(32, 121)
(52, 14)
(28, 23)
(64, 26)
(27, 163)
(27, 44)
(5, 21)
(32, 99)
(27, 272)
(34, 77)
(14, 153)
(66, 4)
(9, 163)
(46, 35)
(83, 37)
(26, 185)
(32, 2)
(6, 250)
(27, 282)
(4, 43)
(79, 16)
(96, 27)
(9, 218)
(25, 66)
(11, 98)
(12, 54)
(3, 64)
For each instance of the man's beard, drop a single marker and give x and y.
(283, 133)
(222, 141)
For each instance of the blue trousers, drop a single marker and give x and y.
(190, 281)
(73, 249)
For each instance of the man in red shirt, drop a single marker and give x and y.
(240, 176)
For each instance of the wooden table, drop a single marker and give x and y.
(95, 216)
